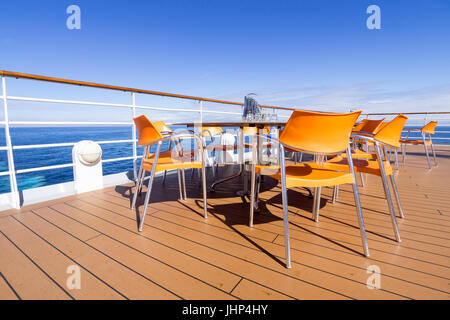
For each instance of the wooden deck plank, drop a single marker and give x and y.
(229, 247)
(398, 272)
(130, 284)
(206, 251)
(178, 282)
(54, 263)
(6, 291)
(324, 263)
(26, 278)
(248, 290)
(215, 276)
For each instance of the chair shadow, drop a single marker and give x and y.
(302, 202)
(228, 213)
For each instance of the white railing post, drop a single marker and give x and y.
(200, 105)
(9, 150)
(133, 135)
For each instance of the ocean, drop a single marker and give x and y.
(41, 157)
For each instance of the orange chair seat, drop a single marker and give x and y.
(364, 142)
(358, 154)
(220, 147)
(307, 175)
(360, 165)
(169, 153)
(168, 163)
(264, 145)
(415, 142)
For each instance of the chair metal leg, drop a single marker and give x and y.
(258, 188)
(205, 202)
(252, 195)
(149, 188)
(434, 153)
(362, 229)
(213, 163)
(138, 186)
(397, 197)
(396, 159)
(361, 176)
(184, 184)
(285, 209)
(335, 193)
(179, 184)
(387, 192)
(316, 206)
(404, 152)
(426, 151)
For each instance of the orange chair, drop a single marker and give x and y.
(388, 136)
(317, 133)
(211, 132)
(165, 131)
(177, 159)
(427, 129)
(369, 127)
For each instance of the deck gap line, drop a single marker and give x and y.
(10, 286)
(236, 284)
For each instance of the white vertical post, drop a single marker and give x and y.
(133, 135)
(205, 153)
(12, 170)
(200, 105)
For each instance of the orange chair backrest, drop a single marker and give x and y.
(254, 130)
(161, 127)
(360, 125)
(372, 126)
(146, 131)
(210, 131)
(429, 127)
(319, 132)
(391, 132)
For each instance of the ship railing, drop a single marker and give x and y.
(16, 200)
(418, 120)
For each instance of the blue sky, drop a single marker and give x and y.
(306, 54)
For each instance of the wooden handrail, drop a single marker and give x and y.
(119, 88)
(396, 113)
(165, 94)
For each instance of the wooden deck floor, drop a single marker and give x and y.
(180, 255)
